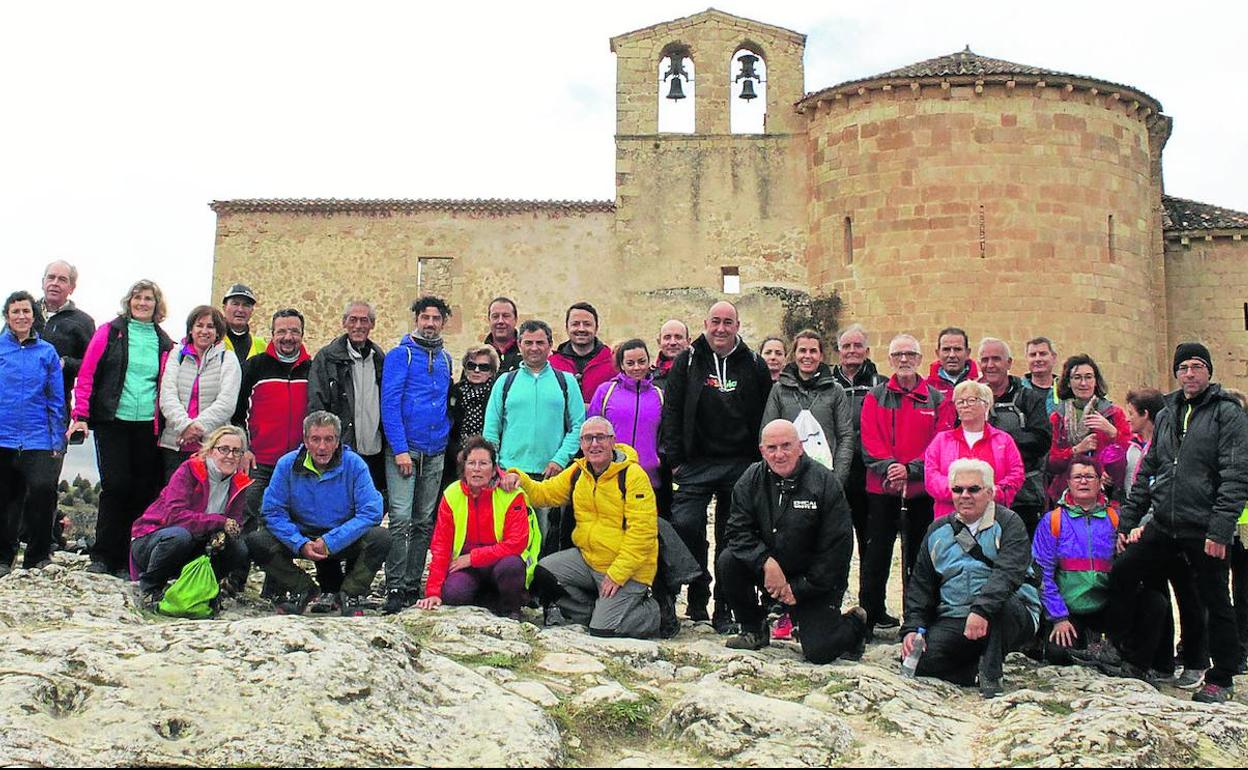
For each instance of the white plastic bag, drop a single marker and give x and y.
(813, 439)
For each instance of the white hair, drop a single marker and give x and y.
(372, 311)
(993, 340)
(854, 329)
(598, 421)
(971, 465)
(977, 388)
(905, 338)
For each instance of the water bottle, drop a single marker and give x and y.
(911, 663)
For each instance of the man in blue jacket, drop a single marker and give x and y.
(415, 392)
(320, 504)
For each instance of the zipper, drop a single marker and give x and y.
(636, 415)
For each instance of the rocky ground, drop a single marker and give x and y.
(87, 678)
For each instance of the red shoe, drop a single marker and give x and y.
(782, 631)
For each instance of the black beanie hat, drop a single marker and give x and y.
(1189, 350)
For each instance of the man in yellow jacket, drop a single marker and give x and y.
(604, 581)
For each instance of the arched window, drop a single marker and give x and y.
(676, 90)
(747, 87)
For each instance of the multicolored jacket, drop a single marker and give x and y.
(1074, 550)
(272, 402)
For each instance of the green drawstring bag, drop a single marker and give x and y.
(192, 593)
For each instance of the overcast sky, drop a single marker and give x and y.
(122, 120)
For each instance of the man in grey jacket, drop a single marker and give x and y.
(1196, 495)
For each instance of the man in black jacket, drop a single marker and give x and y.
(59, 322)
(712, 412)
(790, 535)
(1020, 412)
(345, 380)
(1196, 496)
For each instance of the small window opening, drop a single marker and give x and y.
(1109, 227)
(849, 240)
(732, 280)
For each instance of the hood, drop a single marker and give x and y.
(702, 347)
(933, 372)
(271, 351)
(625, 455)
(625, 382)
(790, 378)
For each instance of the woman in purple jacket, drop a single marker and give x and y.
(633, 405)
(205, 495)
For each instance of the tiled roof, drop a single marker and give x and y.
(1181, 214)
(970, 66)
(499, 206)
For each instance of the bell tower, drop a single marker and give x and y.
(694, 209)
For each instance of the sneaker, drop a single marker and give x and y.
(1212, 693)
(697, 614)
(782, 629)
(750, 640)
(151, 600)
(98, 568)
(396, 601)
(324, 603)
(1128, 670)
(552, 617)
(410, 597)
(290, 603)
(1190, 679)
(1156, 677)
(886, 621)
(990, 688)
(353, 606)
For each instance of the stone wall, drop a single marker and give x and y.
(1009, 211)
(1206, 292)
(545, 260)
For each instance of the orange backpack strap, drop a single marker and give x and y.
(1112, 512)
(1055, 522)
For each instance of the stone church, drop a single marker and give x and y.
(1007, 199)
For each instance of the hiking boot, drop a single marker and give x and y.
(1128, 670)
(98, 568)
(886, 621)
(323, 603)
(1100, 655)
(1212, 693)
(122, 574)
(150, 601)
(290, 603)
(1190, 679)
(552, 617)
(396, 601)
(669, 624)
(860, 647)
(750, 640)
(723, 623)
(782, 630)
(353, 606)
(990, 688)
(411, 596)
(5, 569)
(697, 614)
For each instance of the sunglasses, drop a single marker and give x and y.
(475, 367)
(974, 490)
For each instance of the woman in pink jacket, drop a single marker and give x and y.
(973, 437)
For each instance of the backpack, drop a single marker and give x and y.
(1055, 520)
(510, 378)
(192, 594)
(606, 398)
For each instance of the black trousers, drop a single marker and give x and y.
(1134, 568)
(826, 633)
(699, 481)
(954, 658)
(1239, 594)
(364, 557)
(1180, 577)
(28, 479)
(884, 512)
(131, 473)
(859, 508)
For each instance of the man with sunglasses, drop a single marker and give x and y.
(1196, 496)
(969, 594)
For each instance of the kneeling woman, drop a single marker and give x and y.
(482, 550)
(204, 496)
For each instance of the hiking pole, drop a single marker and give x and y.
(901, 531)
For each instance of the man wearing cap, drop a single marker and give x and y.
(1196, 495)
(237, 305)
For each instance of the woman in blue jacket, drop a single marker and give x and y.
(32, 416)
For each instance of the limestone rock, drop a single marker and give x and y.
(745, 729)
(605, 693)
(570, 663)
(534, 692)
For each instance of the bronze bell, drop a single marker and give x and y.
(747, 90)
(676, 93)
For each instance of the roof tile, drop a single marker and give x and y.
(493, 206)
(1181, 214)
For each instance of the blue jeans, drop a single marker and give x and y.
(413, 508)
(161, 555)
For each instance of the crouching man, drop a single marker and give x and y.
(969, 588)
(790, 533)
(605, 580)
(320, 505)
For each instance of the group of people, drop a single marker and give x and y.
(1032, 512)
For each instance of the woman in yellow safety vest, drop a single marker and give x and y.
(485, 543)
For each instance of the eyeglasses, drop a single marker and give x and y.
(969, 401)
(973, 490)
(475, 367)
(478, 464)
(596, 438)
(905, 354)
(1084, 477)
(1193, 368)
(226, 451)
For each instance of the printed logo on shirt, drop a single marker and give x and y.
(806, 505)
(728, 386)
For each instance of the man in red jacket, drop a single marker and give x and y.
(953, 364)
(583, 355)
(899, 420)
